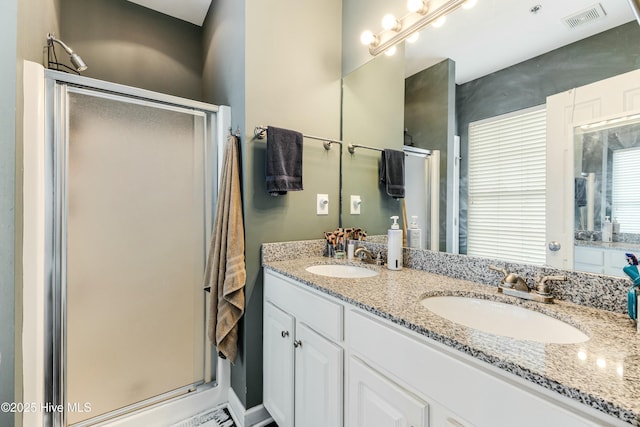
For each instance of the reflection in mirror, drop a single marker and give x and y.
(422, 197)
(372, 115)
(447, 88)
(606, 200)
(607, 160)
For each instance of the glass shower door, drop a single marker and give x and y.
(133, 208)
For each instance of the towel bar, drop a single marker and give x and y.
(352, 148)
(260, 132)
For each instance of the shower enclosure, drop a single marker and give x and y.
(422, 188)
(130, 182)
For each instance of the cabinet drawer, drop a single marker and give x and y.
(321, 314)
(593, 256)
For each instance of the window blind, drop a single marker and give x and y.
(625, 196)
(507, 185)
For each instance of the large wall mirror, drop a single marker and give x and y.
(499, 58)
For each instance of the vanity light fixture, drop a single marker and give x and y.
(419, 16)
(391, 23)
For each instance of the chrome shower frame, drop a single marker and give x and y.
(57, 86)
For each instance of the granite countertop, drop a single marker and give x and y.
(603, 372)
(621, 246)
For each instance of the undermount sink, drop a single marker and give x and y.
(504, 319)
(341, 271)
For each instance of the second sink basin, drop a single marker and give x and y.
(504, 319)
(341, 271)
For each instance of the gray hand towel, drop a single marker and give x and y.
(581, 191)
(284, 161)
(392, 172)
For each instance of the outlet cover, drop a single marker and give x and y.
(355, 204)
(322, 204)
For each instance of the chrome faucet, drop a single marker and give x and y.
(517, 286)
(365, 255)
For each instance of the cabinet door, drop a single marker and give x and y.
(278, 364)
(318, 380)
(375, 401)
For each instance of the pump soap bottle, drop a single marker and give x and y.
(607, 230)
(394, 246)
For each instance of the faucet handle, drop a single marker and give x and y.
(500, 270)
(543, 288)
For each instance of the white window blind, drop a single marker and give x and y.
(624, 189)
(507, 174)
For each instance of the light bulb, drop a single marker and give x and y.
(389, 22)
(391, 51)
(368, 38)
(417, 6)
(469, 4)
(440, 22)
(413, 37)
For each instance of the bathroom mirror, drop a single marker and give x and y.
(462, 96)
(607, 153)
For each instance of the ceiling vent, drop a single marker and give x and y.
(594, 13)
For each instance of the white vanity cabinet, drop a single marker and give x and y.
(599, 260)
(329, 363)
(303, 358)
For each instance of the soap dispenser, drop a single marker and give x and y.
(607, 230)
(414, 234)
(394, 246)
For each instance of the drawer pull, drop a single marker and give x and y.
(284, 334)
(297, 343)
(454, 423)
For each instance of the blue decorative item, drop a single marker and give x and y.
(631, 270)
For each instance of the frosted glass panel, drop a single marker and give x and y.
(135, 252)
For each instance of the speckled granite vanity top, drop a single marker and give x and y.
(620, 246)
(603, 372)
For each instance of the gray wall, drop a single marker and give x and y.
(267, 61)
(125, 43)
(429, 117)
(529, 83)
(8, 33)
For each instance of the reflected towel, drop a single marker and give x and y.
(284, 161)
(581, 192)
(225, 273)
(392, 172)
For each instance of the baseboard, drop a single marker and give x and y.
(252, 417)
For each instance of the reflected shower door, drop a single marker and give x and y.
(133, 220)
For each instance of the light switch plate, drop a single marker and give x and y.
(322, 204)
(355, 204)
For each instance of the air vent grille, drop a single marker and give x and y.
(594, 13)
